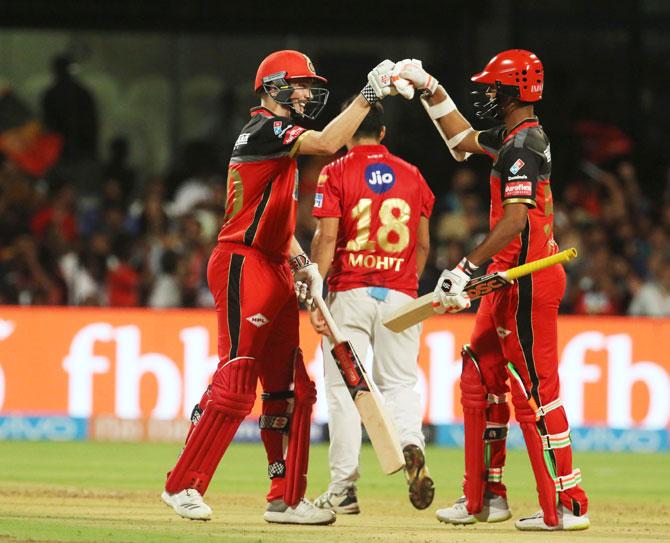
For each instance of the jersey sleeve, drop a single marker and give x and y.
(519, 171)
(279, 136)
(327, 199)
(490, 140)
(427, 196)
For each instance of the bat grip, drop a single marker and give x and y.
(525, 269)
(321, 304)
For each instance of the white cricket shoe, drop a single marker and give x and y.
(304, 512)
(495, 509)
(566, 521)
(344, 502)
(188, 504)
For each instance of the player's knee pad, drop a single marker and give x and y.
(274, 424)
(232, 397)
(545, 443)
(297, 455)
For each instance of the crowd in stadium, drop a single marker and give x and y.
(140, 239)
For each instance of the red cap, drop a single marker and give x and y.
(515, 68)
(296, 65)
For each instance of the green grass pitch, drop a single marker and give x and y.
(110, 492)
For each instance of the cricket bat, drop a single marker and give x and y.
(367, 398)
(420, 309)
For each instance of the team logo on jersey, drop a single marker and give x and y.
(277, 128)
(258, 320)
(379, 177)
(517, 166)
(318, 200)
(322, 180)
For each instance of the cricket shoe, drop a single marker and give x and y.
(188, 504)
(304, 512)
(566, 521)
(421, 486)
(344, 502)
(495, 509)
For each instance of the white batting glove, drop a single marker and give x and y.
(379, 82)
(448, 295)
(412, 70)
(308, 280)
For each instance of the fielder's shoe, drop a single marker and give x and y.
(421, 487)
(495, 509)
(188, 504)
(342, 503)
(566, 521)
(304, 512)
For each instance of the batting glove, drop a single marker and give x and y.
(411, 69)
(308, 280)
(448, 295)
(379, 82)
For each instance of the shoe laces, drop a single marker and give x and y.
(193, 494)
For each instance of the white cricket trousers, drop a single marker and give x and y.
(394, 370)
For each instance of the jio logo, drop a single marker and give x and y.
(380, 177)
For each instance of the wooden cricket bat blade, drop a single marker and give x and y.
(382, 435)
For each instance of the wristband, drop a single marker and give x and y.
(369, 94)
(443, 108)
(467, 267)
(298, 262)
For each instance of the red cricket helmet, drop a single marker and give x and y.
(275, 74)
(515, 68)
(294, 64)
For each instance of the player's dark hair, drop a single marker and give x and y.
(373, 123)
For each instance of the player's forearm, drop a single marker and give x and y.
(323, 250)
(453, 123)
(500, 237)
(421, 258)
(338, 131)
(295, 249)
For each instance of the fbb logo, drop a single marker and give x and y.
(379, 177)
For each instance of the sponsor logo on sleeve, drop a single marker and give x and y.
(547, 153)
(379, 177)
(318, 200)
(292, 133)
(242, 139)
(517, 166)
(519, 189)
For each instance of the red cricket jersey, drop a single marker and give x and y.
(379, 199)
(521, 173)
(262, 185)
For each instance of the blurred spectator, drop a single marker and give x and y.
(69, 109)
(123, 280)
(653, 296)
(166, 291)
(118, 171)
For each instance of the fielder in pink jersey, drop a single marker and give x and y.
(372, 242)
(515, 335)
(251, 275)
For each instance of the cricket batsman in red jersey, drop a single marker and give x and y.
(515, 333)
(372, 241)
(251, 274)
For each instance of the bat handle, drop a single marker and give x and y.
(525, 269)
(321, 304)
